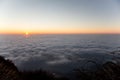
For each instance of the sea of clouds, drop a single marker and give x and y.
(59, 53)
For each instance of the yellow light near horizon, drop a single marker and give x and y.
(26, 33)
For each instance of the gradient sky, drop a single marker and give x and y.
(60, 16)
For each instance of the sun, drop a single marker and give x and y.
(26, 33)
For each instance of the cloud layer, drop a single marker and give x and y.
(58, 52)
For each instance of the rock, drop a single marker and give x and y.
(8, 70)
(109, 71)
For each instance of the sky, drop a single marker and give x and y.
(59, 16)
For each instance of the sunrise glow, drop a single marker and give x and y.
(59, 17)
(26, 33)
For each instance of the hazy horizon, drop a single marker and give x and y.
(29, 34)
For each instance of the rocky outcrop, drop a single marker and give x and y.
(108, 71)
(8, 70)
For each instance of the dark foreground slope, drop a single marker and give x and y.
(108, 71)
(8, 71)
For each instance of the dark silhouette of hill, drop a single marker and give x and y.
(108, 71)
(39, 75)
(8, 71)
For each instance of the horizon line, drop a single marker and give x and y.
(53, 33)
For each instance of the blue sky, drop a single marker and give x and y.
(63, 16)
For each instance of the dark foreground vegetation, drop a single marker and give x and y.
(108, 71)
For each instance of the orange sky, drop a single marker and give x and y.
(72, 31)
(59, 17)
